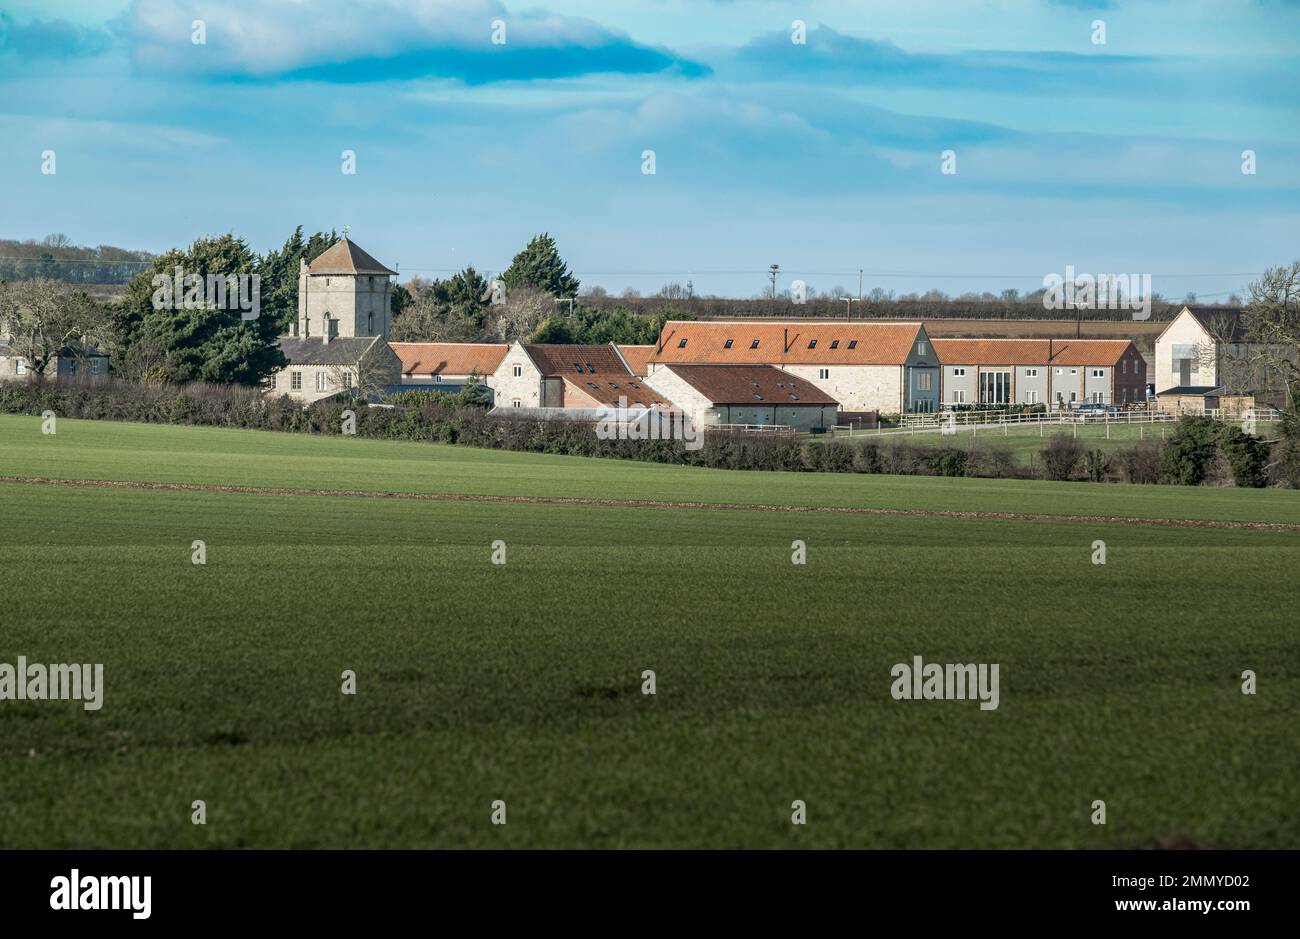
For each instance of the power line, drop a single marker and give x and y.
(765, 272)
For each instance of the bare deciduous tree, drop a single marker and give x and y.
(524, 309)
(368, 378)
(41, 317)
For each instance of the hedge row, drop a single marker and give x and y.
(447, 419)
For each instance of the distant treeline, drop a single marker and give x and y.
(825, 307)
(57, 258)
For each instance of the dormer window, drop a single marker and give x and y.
(812, 343)
(577, 367)
(754, 344)
(682, 344)
(853, 343)
(835, 343)
(727, 344)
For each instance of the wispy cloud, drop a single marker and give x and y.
(349, 41)
(50, 39)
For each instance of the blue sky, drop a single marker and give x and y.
(823, 157)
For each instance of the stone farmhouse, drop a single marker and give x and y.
(88, 364)
(756, 395)
(447, 366)
(570, 376)
(889, 368)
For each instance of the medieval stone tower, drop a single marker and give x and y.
(344, 292)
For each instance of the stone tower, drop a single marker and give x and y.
(344, 292)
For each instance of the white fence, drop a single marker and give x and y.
(754, 428)
(999, 423)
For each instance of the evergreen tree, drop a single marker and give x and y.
(540, 266)
(200, 341)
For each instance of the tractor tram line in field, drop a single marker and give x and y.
(1222, 524)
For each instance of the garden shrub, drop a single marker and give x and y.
(1061, 457)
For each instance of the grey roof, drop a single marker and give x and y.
(343, 257)
(316, 351)
(1192, 390)
(65, 353)
(1223, 322)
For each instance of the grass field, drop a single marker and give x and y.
(521, 681)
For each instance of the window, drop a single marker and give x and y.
(959, 373)
(793, 396)
(1031, 397)
(754, 344)
(1097, 397)
(921, 348)
(593, 386)
(958, 397)
(437, 379)
(20, 367)
(812, 343)
(295, 381)
(853, 343)
(1124, 367)
(270, 381)
(995, 387)
(1031, 373)
(1060, 371)
(1098, 373)
(320, 381)
(757, 395)
(577, 368)
(924, 381)
(682, 344)
(370, 324)
(347, 379)
(727, 344)
(1074, 371)
(72, 366)
(823, 373)
(1074, 396)
(835, 343)
(516, 403)
(518, 371)
(591, 369)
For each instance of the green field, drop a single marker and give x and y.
(522, 681)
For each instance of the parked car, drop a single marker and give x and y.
(1096, 409)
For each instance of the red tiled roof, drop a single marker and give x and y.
(637, 357)
(565, 360)
(1030, 351)
(606, 390)
(449, 358)
(595, 371)
(751, 384)
(852, 342)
